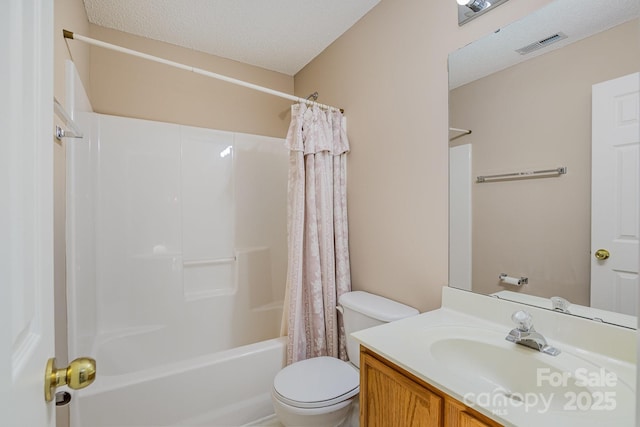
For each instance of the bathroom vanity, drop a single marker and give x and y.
(454, 367)
(390, 395)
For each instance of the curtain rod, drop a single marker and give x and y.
(71, 35)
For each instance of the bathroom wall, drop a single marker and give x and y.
(134, 87)
(70, 15)
(389, 72)
(552, 213)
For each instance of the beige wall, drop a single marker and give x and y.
(123, 85)
(389, 72)
(69, 15)
(537, 115)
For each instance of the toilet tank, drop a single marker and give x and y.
(362, 310)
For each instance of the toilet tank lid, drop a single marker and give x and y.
(375, 306)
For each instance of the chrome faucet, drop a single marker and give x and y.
(525, 335)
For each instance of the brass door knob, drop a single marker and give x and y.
(602, 254)
(80, 373)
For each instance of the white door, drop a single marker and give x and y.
(460, 218)
(26, 211)
(614, 194)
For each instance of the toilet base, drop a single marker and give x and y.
(353, 419)
(328, 416)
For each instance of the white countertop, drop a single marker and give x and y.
(587, 346)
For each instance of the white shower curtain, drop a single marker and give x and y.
(318, 264)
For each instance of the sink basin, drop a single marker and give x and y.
(501, 374)
(510, 372)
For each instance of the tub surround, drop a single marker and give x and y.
(454, 349)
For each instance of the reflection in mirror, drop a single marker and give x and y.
(471, 9)
(532, 112)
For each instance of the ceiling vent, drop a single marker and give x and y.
(541, 43)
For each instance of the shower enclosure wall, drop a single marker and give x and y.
(176, 271)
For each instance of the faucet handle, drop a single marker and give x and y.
(560, 304)
(523, 320)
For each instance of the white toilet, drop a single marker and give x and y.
(319, 392)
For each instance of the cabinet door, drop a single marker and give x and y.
(467, 420)
(459, 415)
(388, 398)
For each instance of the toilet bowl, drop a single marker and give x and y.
(315, 392)
(321, 392)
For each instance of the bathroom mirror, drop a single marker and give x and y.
(532, 112)
(471, 9)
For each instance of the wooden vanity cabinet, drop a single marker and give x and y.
(393, 397)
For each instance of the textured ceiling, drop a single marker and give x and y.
(279, 35)
(576, 18)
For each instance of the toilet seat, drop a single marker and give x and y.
(316, 383)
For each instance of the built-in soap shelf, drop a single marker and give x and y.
(208, 277)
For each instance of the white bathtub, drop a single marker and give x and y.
(229, 388)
